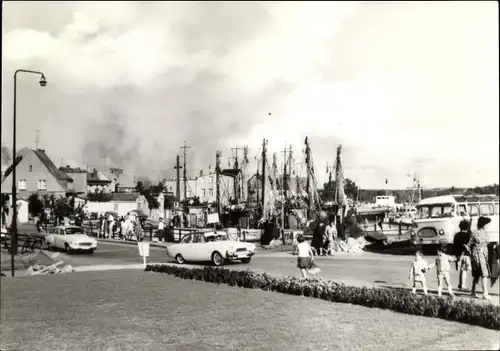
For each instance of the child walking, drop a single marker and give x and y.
(417, 272)
(443, 267)
(304, 261)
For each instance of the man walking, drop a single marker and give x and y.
(161, 230)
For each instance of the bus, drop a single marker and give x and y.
(438, 218)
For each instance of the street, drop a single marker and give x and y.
(358, 269)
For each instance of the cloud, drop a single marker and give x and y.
(402, 86)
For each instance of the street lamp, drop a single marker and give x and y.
(13, 246)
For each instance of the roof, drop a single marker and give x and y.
(97, 177)
(46, 161)
(125, 197)
(69, 169)
(458, 198)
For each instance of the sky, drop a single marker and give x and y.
(404, 87)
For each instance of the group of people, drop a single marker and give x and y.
(124, 228)
(325, 236)
(472, 252)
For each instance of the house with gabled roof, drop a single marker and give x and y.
(35, 172)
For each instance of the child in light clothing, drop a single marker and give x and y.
(443, 267)
(417, 272)
(304, 261)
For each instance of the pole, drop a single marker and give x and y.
(13, 245)
(178, 179)
(263, 176)
(13, 241)
(217, 182)
(185, 175)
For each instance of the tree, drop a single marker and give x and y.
(62, 208)
(350, 188)
(139, 187)
(35, 205)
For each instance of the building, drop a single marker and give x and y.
(120, 181)
(206, 187)
(171, 187)
(79, 177)
(121, 203)
(35, 172)
(97, 182)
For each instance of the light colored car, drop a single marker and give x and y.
(70, 238)
(213, 246)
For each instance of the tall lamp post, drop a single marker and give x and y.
(13, 246)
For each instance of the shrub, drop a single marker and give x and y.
(403, 301)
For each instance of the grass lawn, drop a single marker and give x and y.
(136, 310)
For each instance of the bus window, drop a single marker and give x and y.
(487, 209)
(496, 208)
(461, 210)
(423, 212)
(436, 211)
(448, 210)
(473, 210)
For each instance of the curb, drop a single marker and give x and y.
(114, 241)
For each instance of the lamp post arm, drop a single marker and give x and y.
(26, 71)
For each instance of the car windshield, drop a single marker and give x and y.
(216, 237)
(435, 211)
(75, 230)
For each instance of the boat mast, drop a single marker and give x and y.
(308, 183)
(264, 142)
(244, 189)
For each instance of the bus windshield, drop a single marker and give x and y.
(435, 211)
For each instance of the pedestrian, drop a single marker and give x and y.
(463, 262)
(161, 230)
(493, 255)
(417, 272)
(478, 247)
(442, 265)
(305, 259)
(331, 231)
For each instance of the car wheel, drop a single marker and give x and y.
(49, 247)
(91, 251)
(217, 259)
(246, 260)
(180, 259)
(67, 249)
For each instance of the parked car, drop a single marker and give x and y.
(70, 239)
(140, 214)
(213, 246)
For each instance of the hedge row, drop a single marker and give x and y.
(402, 301)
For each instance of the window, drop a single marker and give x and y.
(203, 192)
(211, 192)
(461, 210)
(69, 186)
(31, 168)
(473, 210)
(496, 208)
(198, 238)
(210, 179)
(21, 184)
(187, 239)
(42, 184)
(487, 209)
(436, 211)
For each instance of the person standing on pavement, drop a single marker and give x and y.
(463, 263)
(161, 230)
(478, 247)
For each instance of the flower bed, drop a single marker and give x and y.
(486, 316)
